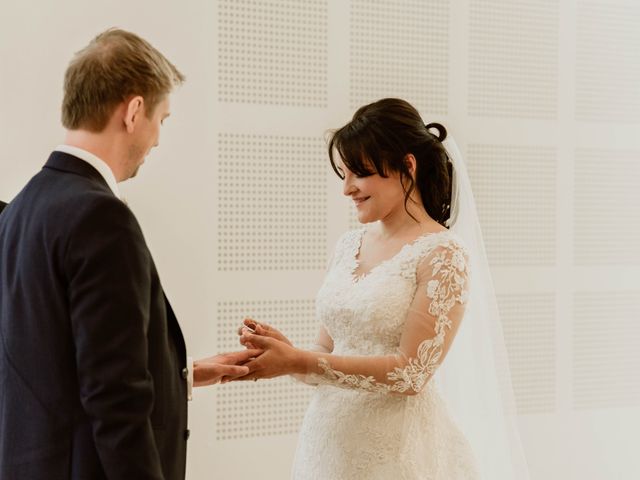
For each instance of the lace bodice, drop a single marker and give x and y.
(404, 312)
(383, 335)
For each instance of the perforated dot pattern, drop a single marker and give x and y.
(513, 58)
(515, 191)
(605, 349)
(530, 331)
(273, 52)
(269, 407)
(607, 207)
(607, 61)
(399, 49)
(272, 203)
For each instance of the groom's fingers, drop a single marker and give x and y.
(214, 371)
(233, 370)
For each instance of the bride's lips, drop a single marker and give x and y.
(360, 200)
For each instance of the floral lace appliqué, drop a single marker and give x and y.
(448, 286)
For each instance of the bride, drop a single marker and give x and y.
(393, 398)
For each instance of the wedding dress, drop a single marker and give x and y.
(395, 424)
(436, 401)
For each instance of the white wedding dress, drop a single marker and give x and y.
(403, 315)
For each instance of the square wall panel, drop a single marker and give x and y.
(515, 192)
(513, 58)
(529, 326)
(606, 220)
(606, 357)
(400, 49)
(272, 201)
(607, 62)
(273, 52)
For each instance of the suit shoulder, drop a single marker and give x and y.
(97, 210)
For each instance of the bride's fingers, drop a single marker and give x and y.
(243, 330)
(246, 343)
(250, 323)
(262, 328)
(268, 332)
(252, 326)
(273, 333)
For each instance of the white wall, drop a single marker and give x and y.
(240, 207)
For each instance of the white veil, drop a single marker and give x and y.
(475, 380)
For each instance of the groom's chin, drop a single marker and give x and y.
(135, 172)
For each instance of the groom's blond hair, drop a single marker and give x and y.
(115, 66)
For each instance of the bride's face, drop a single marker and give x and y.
(375, 197)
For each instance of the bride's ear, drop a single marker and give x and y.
(410, 162)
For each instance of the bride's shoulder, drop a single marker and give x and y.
(350, 237)
(347, 246)
(445, 242)
(446, 252)
(453, 241)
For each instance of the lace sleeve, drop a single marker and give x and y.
(324, 344)
(432, 322)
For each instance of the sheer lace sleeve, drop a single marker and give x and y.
(323, 344)
(431, 325)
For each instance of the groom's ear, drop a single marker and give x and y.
(134, 109)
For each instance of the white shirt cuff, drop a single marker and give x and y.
(189, 378)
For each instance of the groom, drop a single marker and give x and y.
(93, 371)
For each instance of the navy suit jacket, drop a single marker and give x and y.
(92, 359)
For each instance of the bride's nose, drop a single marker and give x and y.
(348, 188)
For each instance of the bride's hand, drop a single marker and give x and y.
(260, 329)
(278, 358)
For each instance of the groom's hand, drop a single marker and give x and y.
(209, 371)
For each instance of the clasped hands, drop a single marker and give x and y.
(268, 354)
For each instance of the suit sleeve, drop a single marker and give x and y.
(109, 275)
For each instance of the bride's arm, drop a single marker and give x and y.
(432, 322)
(322, 344)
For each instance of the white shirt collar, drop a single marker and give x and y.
(95, 162)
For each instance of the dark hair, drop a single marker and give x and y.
(380, 135)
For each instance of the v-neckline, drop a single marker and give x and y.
(357, 278)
